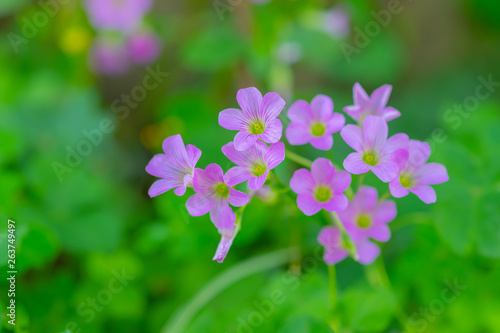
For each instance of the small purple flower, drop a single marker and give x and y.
(373, 150)
(337, 22)
(121, 15)
(143, 47)
(365, 218)
(257, 118)
(227, 237)
(314, 123)
(255, 163)
(214, 194)
(322, 187)
(336, 249)
(108, 56)
(373, 105)
(415, 175)
(175, 167)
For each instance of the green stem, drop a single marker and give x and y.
(298, 159)
(377, 276)
(335, 220)
(361, 178)
(385, 196)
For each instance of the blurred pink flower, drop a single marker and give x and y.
(108, 56)
(143, 47)
(122, 15)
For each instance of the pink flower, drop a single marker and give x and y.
(365, 218)
(337, 21)
(415, 175)
(322, 187)
(122, 15)
(336, 249)
(373, 150)
(257, 118)
(108, 56)
(227, 237)
(175, 167)
(373, 105)
(143, 47)
(255, 163)
(314, 123)
(214, 194)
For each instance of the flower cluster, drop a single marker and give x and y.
(123, 37)
(358, 217)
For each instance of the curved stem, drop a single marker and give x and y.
(386, 195)
(298, 159)
(361, 178)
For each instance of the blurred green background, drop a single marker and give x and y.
(78, 231)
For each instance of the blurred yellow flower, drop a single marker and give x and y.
(75, 40)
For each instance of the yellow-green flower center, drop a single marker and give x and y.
(363, 221)
(257, 128)
(221, 190)
(322, 194)
(259, 169)
(405, 181)
(318, 129)
(370, 158)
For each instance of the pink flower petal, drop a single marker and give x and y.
(359, 95)
(385, 212)
(236, 175)
(161, 166)
(322, 107)
(354, 111)
(391, 113)
(340, 181)
(222, 215)
(242, 158)
(386, 171)
(425, 193)
(272, 105)
(227, 237)
(250, 100)
(307, 204)
(397, 190)
(198, 204)
(214, 172)
(302, 181)
(419, 153)
(335, 123)
(381, 233)
(324, 142)
(367, 252)
(273, 131)
(396, 142)
(193, 153)
(355, 164)
(337, 203)
(353, 136)
(244, 140)
(256, 182)
(180, 191)
(431, 173)
(233, 119)
(365, 199)
(300, 112)
(275, 155)
(334, 255)
(379, 98)
(297, 134)
(175, 150)
(322, 171)
(375, 131)
(161, 186)
(237, 198)
(201, 181)
(329, 236)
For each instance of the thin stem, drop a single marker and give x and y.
(377, 276)
(361, 178)
(350, 246)
(385, 196)
(298, 159)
